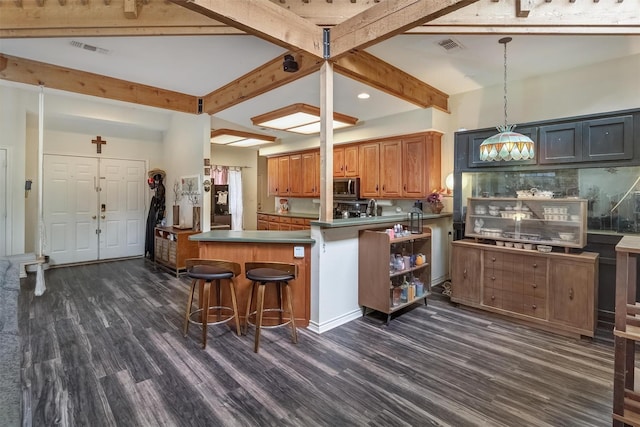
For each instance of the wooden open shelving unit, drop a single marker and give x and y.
(626, 399)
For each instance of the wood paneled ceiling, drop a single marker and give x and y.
(297, 25)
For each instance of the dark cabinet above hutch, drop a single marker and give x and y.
(613, 138)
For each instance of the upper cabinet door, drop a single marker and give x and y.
(369, 158)
(414, 168)
(351, 161)
(561, 143)
(391, 169)
(338, 162)
(609, 138)
(272, 176)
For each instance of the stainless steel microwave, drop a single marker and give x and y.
(346, 188)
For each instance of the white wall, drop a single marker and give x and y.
(13, 103)
(186, 145)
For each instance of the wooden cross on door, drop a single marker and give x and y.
(98, 141)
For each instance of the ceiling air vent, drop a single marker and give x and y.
(450, 44)
(89, 47)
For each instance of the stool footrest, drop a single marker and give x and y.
(228, 315)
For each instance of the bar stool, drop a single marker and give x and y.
(207, 271)
(270, 273)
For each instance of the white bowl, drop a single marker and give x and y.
(499, 243)
(544, 248)
(517, 245)
(567, 236)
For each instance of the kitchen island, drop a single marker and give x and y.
(253, 246)
(326, 291)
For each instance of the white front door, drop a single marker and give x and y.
(93, 208)
(122, 225)
(3, 203)
(70, 203)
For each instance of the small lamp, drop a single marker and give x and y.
(415, 220)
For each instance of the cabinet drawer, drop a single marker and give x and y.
(285, 220)
(297, 221)
(273, 218)
(263, 217)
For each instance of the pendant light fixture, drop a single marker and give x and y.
(507, 144)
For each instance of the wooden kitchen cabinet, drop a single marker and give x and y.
(345, 161)
(402, 168)
(173, 247)
(369, 158)
(283, 175)
(572, 303)
(310, 174)
(465, 275)
(421, 170)
(263, 222)
(272, 176)
(598, 139)
(556, 291)
(609, 138)
(388, 290)
(295, 175)
(390, 169)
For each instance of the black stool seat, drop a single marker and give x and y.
(276, 275)
(268, 275)
(208, 272)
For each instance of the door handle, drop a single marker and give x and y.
(94, 217)
(102, 216)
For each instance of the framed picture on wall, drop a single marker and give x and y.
(190, 185)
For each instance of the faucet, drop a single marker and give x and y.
(372, 207)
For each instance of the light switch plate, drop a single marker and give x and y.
(298, 251)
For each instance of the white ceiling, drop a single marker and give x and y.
(198, 65)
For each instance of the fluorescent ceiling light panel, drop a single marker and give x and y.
(235, 138)
(300, 118)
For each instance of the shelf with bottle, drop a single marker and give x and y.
(393, 272)
(406, 291)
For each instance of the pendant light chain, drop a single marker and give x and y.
(506, 144)
(505, 83)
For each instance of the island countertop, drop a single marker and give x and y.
(255, 236)
(375, 220)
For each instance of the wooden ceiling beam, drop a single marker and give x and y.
(26, 71)
(370, 70)
(385, 20)
(261, 80)
(263, 19)
(165, 18)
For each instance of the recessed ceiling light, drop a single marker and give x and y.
(364, 95)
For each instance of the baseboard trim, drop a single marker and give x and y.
(334, 323)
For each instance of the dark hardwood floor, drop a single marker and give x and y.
(104, 347)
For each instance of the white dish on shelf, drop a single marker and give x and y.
(567, 236)
(544, 249)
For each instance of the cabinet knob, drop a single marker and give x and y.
(493, 259)
(376, 187)
(464, 273)
(571, 293)
(493, 277)
(94, 217)
(533, 285)
(535, 265)
(102, 216)
(493, 297)
(534, 306)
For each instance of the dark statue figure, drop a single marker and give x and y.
(156, 209)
